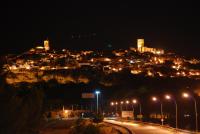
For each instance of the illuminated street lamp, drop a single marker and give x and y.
(155, 99)
(116, 103)
(186, 95)
(168, 97)
(127, 102)
(97, 93)
(121, 103)
(133, 102)
(136, 102)
(112, 103)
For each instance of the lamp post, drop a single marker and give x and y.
(112, 104)
(186, 95)
(127, 102)
(133, 102)
(140, 107)
(116, 103)
(161, 108)
(168, 97)
(97, 93)
(121, 103)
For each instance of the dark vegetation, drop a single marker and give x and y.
(21, 110)
(85, 127)
(98, 118)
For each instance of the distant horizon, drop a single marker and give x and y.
(93, 48)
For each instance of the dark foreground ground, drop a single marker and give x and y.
(77, 126)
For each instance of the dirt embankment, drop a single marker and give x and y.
(77, 127)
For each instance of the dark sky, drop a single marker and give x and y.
(174, 26)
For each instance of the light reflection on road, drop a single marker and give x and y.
(137, 128)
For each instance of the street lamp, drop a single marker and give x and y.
(168, 97)
(121, 103)
(97, 93)
(127, 102)
(136, 102)
(155, 99)
(112, 104)
(186, 95)
(116, 103)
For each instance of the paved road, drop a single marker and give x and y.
(138, 128)
(120, 129)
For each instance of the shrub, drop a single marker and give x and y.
(84, 127)
(98, 118)
(91, 129)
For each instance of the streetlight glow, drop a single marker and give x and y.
(97, 92)
(127, 102)
(116, 103)
(185, 95)
(122, 102)
(154, 99)
(134, 101)
(168, 97)
(112, 103)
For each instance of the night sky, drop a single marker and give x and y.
(78, 25)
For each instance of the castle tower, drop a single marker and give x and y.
(46, 45)
(140, 44)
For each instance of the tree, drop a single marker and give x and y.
(21, 109)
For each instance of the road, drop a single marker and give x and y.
(119, 129)
(137, 128)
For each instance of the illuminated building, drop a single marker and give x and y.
(38, 49)
(140, 45)
(141, 48)
(46, 45)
